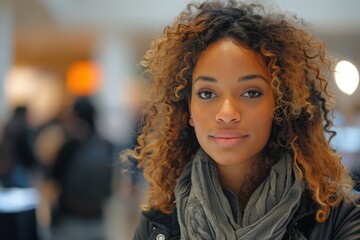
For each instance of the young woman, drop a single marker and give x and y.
(235, 144)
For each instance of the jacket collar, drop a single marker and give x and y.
(166, 222)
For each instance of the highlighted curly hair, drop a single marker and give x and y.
(302, 121)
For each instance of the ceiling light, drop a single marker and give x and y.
(346, 77)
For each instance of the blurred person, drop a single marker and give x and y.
(18, 200)
(83, 173)
(236, 139)
(48, 139)
(16, 155)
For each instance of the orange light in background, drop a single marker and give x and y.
(83, 78)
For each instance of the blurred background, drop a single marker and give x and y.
(71, 90)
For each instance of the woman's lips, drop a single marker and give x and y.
(228, 139)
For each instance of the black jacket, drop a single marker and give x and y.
(342, 223)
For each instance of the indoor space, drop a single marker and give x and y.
(71, 68)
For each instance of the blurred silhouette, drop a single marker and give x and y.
(18, 200)
(48, 140)
(16, 155)
(83, 172)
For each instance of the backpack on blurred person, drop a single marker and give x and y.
(86, 182)
(83, 168)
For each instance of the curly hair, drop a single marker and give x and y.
(297, 63)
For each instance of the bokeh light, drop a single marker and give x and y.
(83, 78)
(346, 77)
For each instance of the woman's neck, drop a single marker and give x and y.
(233, 177)
(242, 179)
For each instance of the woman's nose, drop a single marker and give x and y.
(228, 112)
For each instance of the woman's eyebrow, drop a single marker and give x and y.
(204, 78)
(252, 76)
(244, 78)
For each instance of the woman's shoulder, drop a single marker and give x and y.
(347, 208)
(143, 229)
(154, 223)
(346, 218)
(343, 221)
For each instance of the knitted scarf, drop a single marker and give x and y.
(204, 212)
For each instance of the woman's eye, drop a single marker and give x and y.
(252, 94)
(205, 94)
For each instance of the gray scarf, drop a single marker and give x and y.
(204, 212)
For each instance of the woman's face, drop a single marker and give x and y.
(231, 103)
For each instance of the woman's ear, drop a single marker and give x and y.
(191, 121)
